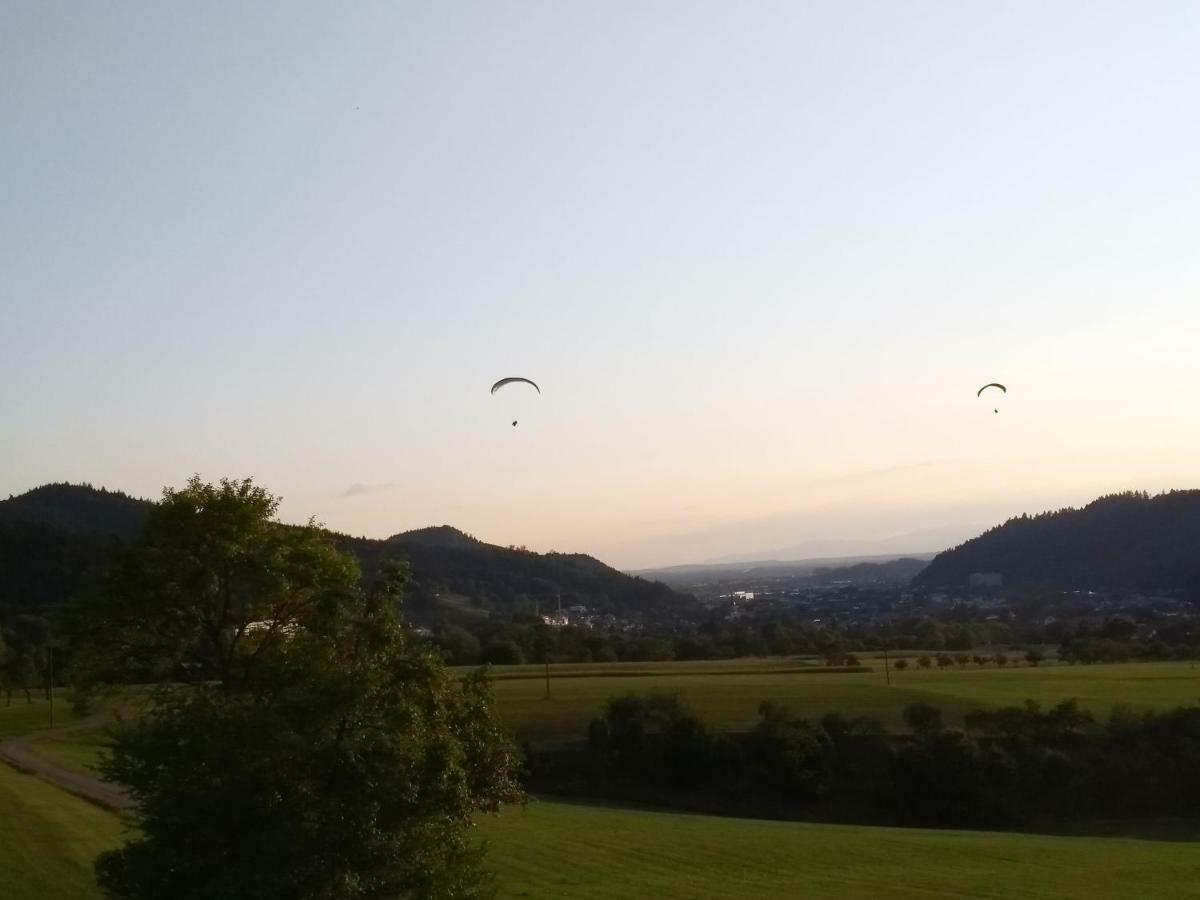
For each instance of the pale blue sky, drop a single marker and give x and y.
(759, 256)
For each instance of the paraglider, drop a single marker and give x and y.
(993, 384)
(503, 381)
(514, 380)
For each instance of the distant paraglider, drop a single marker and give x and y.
(514, 380)
(993, 384)
(503, 381)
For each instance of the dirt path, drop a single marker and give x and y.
(19, 752)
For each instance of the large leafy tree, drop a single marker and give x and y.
(321, 750)
(213, 585)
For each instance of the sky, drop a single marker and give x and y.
(759, 256)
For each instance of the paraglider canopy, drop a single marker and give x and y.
(515, 403)
(503, 381)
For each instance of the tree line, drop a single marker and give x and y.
(1013, 766)
(526, 639)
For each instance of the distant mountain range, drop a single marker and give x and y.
(912, 543)
(832, 567)
(1128, 541)
(57, 540)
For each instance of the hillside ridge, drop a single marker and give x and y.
(1123, 541)
(56, 541)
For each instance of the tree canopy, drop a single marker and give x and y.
(320, 750)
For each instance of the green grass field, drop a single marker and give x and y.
(553, 850)
(25, 718)
(79, 752)
(48, 840)
(727, 694)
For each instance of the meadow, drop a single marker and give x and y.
(48, 840)
(727, 695)
(597, 853)
(24, 718)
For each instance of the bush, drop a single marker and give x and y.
(652, 739)
(503, 653)
(789, 756)
(923, 718)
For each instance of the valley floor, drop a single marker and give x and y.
(48, 838)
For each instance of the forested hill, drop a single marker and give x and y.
(78, 508)
(1120, 542)
(456, 573)
(56, 541)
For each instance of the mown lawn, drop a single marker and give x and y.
(48, 840)
(78, 752)
(552, 850)
(24, 718)
(727, 697)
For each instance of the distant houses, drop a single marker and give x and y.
(985, 579)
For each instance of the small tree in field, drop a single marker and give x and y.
(1034, 657)
(924, 662)
(835, 656)
(900, 665)
(980, 661)
(321, 752)
(962, 659)
(1000, 659)
(944, 661)
(923, 718)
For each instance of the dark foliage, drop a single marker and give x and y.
(321, 751)
(1121, 542)
(1010, 766)
(509, 579)
(56, 541)
(79, 509)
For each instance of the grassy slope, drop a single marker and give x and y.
(48, 840)
(565, 851)
(729, 698)
(80, 752)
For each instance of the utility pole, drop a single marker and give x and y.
(546, 657)
(50, 666)
(886, 671)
